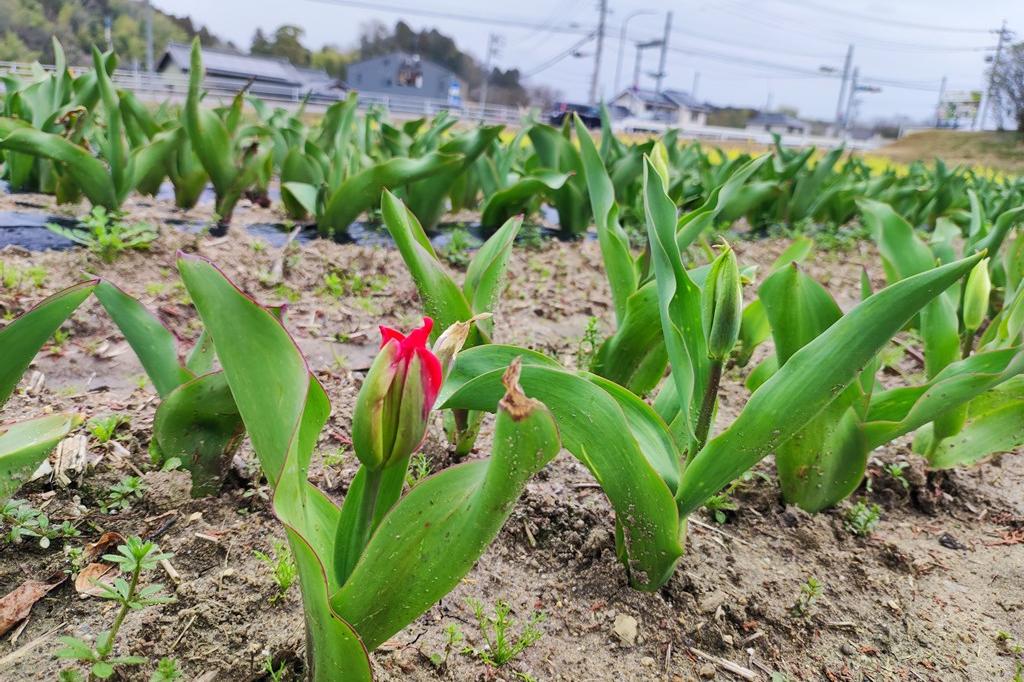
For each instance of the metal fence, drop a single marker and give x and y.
(162, 87)
(173, 87)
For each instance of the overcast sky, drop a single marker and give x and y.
(747, 52)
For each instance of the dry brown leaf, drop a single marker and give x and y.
(87, 579)
(17, 604)
(91, 553)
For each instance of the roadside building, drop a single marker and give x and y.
(405, 75)
(777, 122)
(674, 108)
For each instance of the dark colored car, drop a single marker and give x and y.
(590, 116)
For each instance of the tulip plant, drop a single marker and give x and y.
(445, 300)
(371, 566)
(197, 420)
(657, 465)
(106, 179)
(233, 154)
(24, 445)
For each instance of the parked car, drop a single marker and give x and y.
(590, 116)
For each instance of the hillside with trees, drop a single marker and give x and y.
(26, 28)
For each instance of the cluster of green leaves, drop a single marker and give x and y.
(105, 234)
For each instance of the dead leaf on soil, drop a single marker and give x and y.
(17, 604)
(97, 549)
(86, 584)
(97, 571)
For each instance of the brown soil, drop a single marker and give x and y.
(922, 598)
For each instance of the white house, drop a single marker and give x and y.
(777, 122)
(669, 107)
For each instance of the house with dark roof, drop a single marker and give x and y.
(777, 122)
(668, 107)
(265, 75)
(405, 75)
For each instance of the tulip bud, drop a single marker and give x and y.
(976, 294)
(659, 159)
(390, 416)
(722, 305)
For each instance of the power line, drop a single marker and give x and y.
(454, 16)
(560, 56)
(760, 19)
(808, 4)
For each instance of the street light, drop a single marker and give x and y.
(622, 44)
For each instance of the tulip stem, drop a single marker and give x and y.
(707, 407)
(367, 509)
(968, 344)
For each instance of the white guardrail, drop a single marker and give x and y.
(723, 134)
(162, 87)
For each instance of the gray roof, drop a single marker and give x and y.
(673, 99)
(227, 64)
(776, 118)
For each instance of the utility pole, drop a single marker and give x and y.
(106, 32)
(622, 46)
(938, 106)
(150, 66)
(696, 82)
(851, 100)
(992, 74)
(664, 51)
(840, 123)
(597, 52)
(493, 42)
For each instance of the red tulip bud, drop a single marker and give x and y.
(396, 398)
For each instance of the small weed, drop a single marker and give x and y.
(586, 347)
(500, 646)
(453, 639)
(60, 338)
(21, 520)
(531, 237)
(810, 591)
(134, 558)
(282, 568)
(719, 504)
(104, 429)
(367, 304)
(335, 458)
(274, 674)
(456, 251)
(895, 470)
(258, 246)
(862, 518)
(340, 284)
(287, 293)
(166, 671)
(107, 235)
(122, 494)
(13, 277)
(154, 289)
(419, 468)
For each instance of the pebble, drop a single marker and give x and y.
(848, 649)
(707, 671)
(625, 628)
(647, 660)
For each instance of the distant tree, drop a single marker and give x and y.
(1008, 83)
(333, 60)
(286, 43)
(14, 49)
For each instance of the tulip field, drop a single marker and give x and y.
(329, 396)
